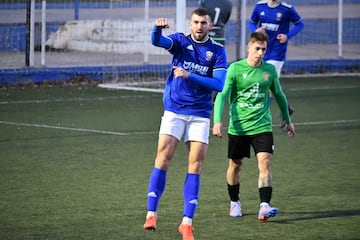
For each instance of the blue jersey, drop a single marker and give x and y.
(275, 20)
(184, 96)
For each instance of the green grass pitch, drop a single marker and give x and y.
(75, 163)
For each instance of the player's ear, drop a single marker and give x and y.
(211, 25)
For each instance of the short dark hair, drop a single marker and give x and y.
(258, 37)
(200, 12)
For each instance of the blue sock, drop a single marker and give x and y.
(156, 188)
(191, 194)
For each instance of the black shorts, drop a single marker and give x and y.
(239, 146)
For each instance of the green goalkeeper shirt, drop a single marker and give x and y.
(247, 90)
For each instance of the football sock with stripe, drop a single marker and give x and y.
(191, 194)
(157, 184)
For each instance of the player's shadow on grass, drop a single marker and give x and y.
(301, 216)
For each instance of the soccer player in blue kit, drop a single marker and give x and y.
(198, 68)
(274, 18)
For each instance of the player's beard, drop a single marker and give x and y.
(273, 3)
(199, 36)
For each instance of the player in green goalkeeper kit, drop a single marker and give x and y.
(247, 86)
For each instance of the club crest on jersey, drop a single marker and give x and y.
(209, 55)
(266, 76)
(190, 47)
(278, 16)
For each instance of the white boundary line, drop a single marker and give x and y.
(142, 89)
(74, 129)
(152, 132)
(327, 122)
(120, 86)
(73, 99)
(123, 87)
(132, 86)
(323, 88)
(314, 75)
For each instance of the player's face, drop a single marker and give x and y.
(200, 26)
(256, 51)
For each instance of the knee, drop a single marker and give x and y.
(162, 162)
(195, 167)
(264, 162)
(235, 165)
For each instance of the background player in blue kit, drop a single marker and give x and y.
(199, 68)
(220, 12)
(275, 17)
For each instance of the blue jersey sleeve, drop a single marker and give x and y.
(215, 83)
(157, 39)
(254, 20)
(252, 26)
(296, 29)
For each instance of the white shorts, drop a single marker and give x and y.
(278, 65)
(193, 128)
